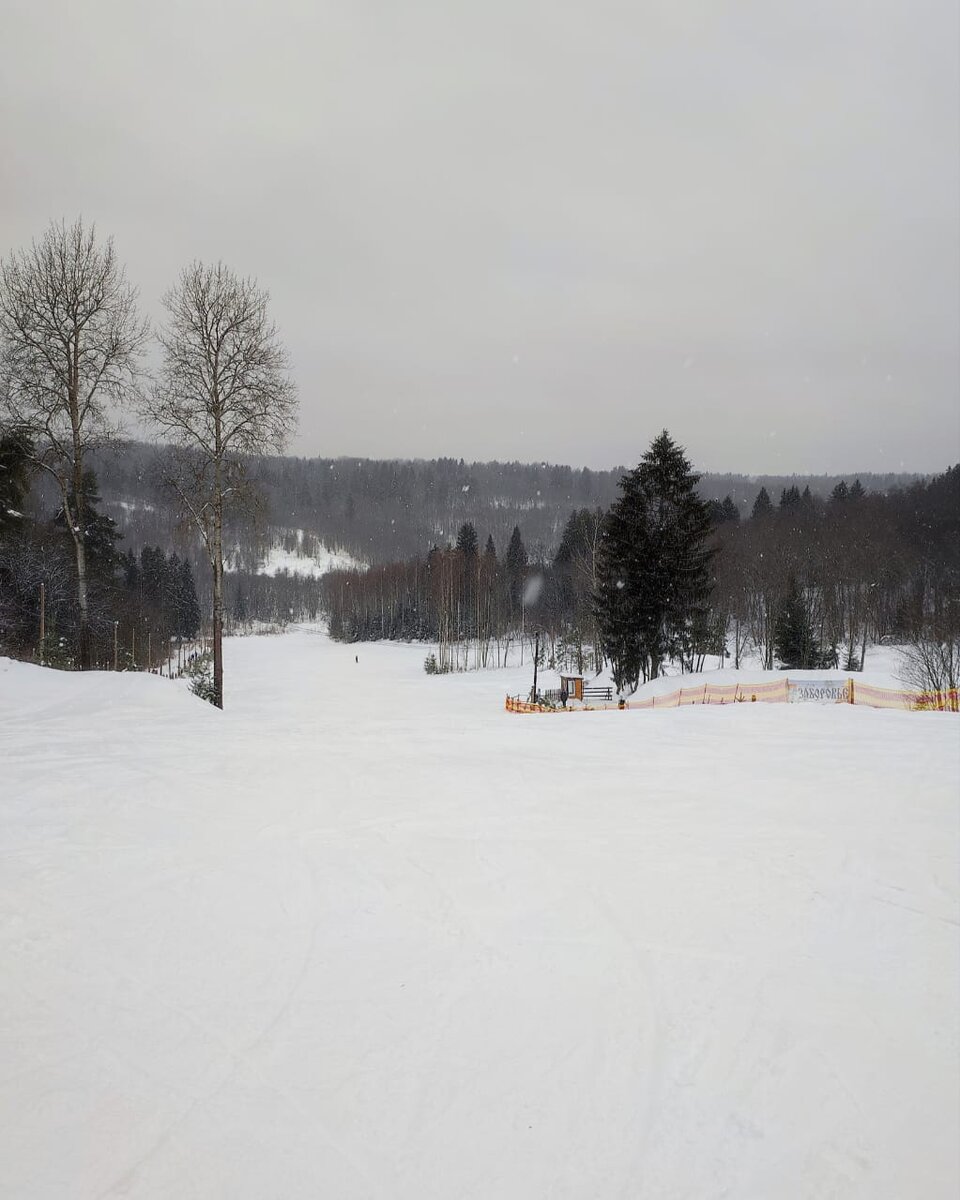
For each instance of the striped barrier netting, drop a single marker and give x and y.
(780, 691)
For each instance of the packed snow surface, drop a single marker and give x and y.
(367, 935)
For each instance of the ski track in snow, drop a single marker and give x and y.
(366, 935)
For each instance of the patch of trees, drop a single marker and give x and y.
(138, 606)
(70, 349)
(71, 345)
(811, 582)
(460, 597)
(252, 601)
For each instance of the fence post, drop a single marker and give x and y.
(851, 692)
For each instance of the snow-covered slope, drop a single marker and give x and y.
(316, 564)
(297, 553)
(365, 934)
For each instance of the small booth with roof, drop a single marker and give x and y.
(571, 688)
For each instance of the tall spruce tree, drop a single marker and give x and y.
(188, 606)
(763, 505)
(795, 642)
(730, 510)
(467, 542)
(652, 576)
(515, 563)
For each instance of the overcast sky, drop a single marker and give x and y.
(514, 229)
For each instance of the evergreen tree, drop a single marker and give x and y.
(130, 571)
(652, 580)
(715, 512)
(578, 537)
(153, 571)
(15, 450)
(490, 550)
(516, 564)
(762, 506)
(188, 606)
(240, 605)
(840, 493)
(100, 534)
(730, 510)
(467, 541)
(857, 491)
(795, 642)
(171, 594)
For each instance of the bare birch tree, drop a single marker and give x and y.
(224, 392)
(70, 349)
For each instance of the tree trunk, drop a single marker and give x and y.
(84, 649)
(74, 521)
(218, 607)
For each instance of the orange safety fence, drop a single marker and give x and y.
(777, 692)
(780, 691)
(948, 701)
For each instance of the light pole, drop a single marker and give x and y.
(43, 620)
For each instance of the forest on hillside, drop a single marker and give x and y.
(388, 509)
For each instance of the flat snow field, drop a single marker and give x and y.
(366, 934)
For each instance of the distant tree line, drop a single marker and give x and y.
(664, 576)
(383, 511)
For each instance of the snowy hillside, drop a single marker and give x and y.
(316, 564)
(297, 553)
(366, 935)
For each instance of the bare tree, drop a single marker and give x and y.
(224, 392)
(931, 661)
(70, 349)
